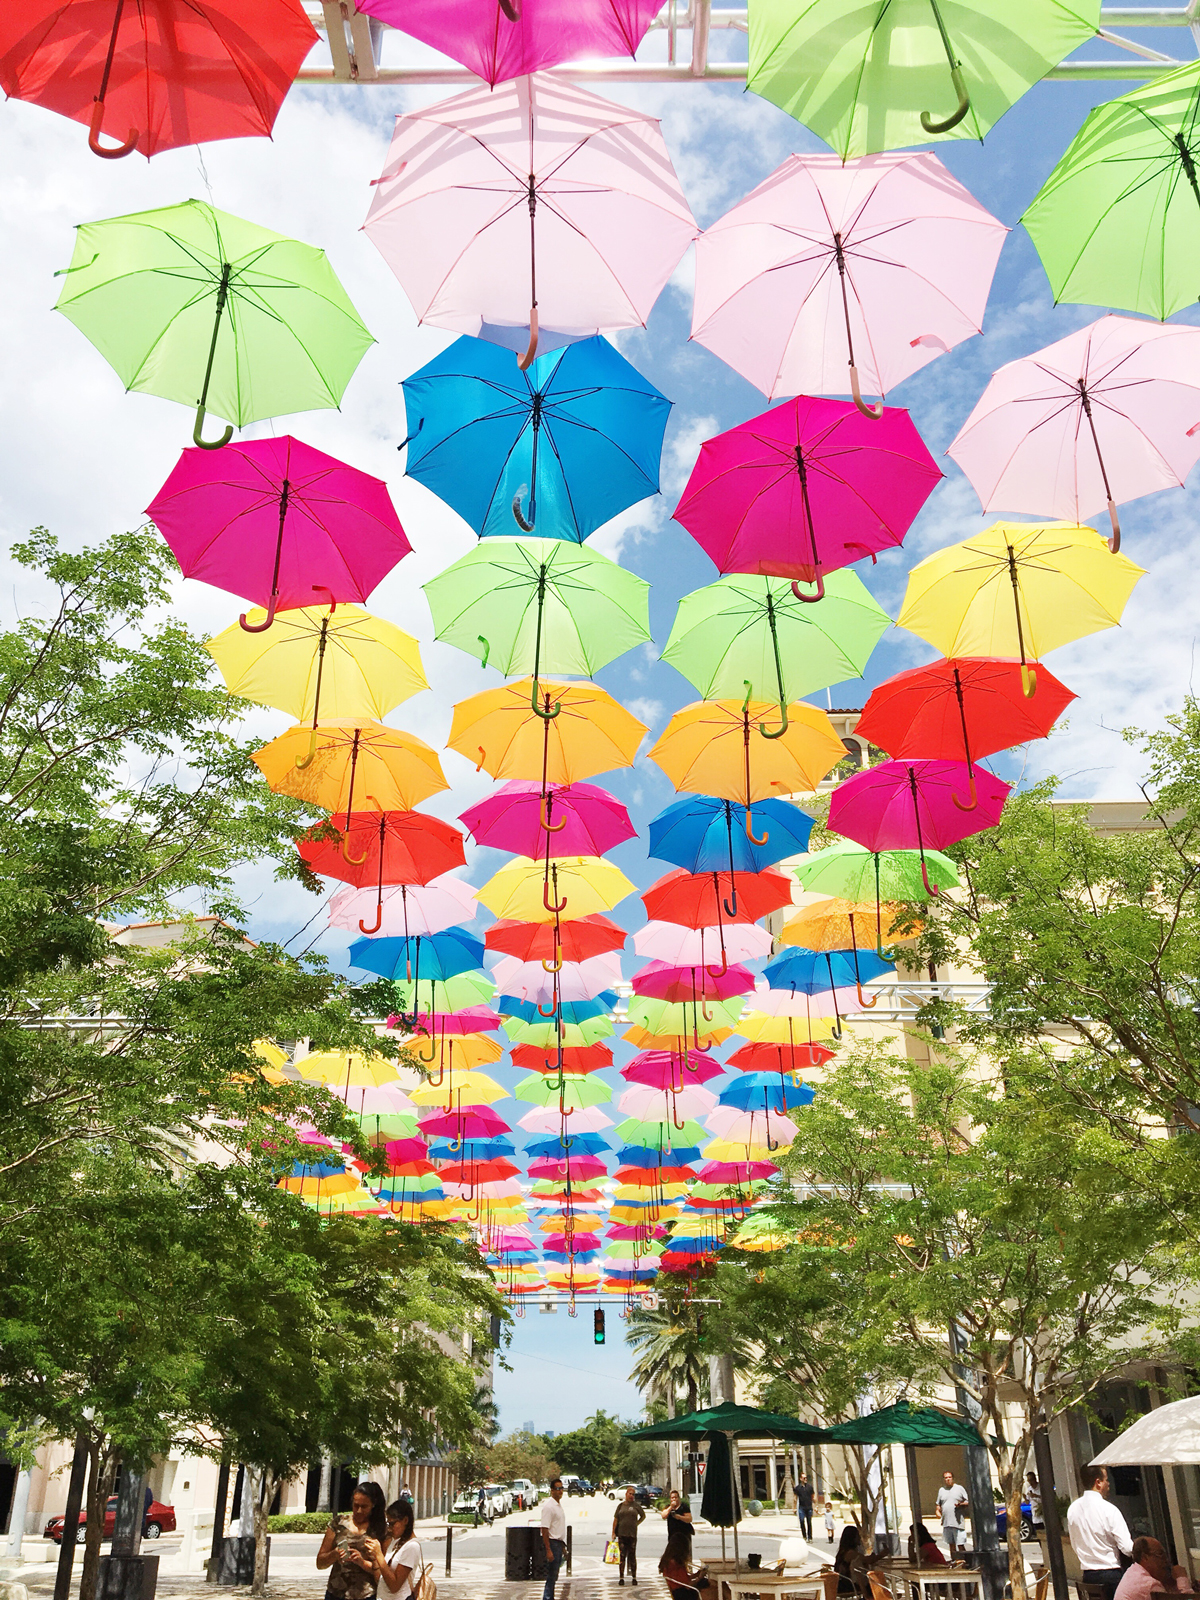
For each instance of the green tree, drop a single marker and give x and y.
(669, 1357)
(521, 1455)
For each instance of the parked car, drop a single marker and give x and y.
(648, 1493)
(158, 1519)
(468, 1500)
(525, 1494)
(617, 1492)
(577, 1486)
(500, 1496)
(1028, 1531)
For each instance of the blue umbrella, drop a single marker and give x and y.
(581, 1257)
(574, 1144)
(573, 441)
(427, 955)
(765, 1091)
(704, 834)
(470, 1150)
(571, 1010)
(814, 971)
(636, 1155)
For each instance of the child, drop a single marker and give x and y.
(829, 1520)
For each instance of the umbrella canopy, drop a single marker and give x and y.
(733, 1420)
(905, 1424)
(575, 980)
(676, 1020)
(751, 1127)
(468, 989)
(540, 1090)
(511, 40)
(1117, 223)
(407, 908)
(549, 1035)
(1098, 418)
(573, 940)
(274, 520)
(671, 1069)
(701, 833)
(578, 731)
(336, 661)
(160, 293)
(346, 1071)
(661, 981)
(1167, 1436)
(436, 955)
(461, 1088)
(826, 269)
(763, 1091)
(528, 891)
(697, 898)
(791, 1058)
(662, 1135)
(578, 819)
(1018, 589)
(580, 1059)
(840, 924)
(562, 447)
(806, 488)
(882, 76)
(467, 1122)
(533, 204)
(804, 971)
(899, 805)
(788, 1032)
(680, 946)
(158, 74)
(327, 765)
(845, 869)
(385, 847)
(546, 1119)
(720, 1504)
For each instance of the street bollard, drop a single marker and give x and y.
(569, 1532)
(449, 1545)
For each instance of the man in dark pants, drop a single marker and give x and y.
(554, 1536)
(804, 1505)
(626, 1521)
(1099, 1534)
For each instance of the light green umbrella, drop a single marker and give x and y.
(870, 75)
(674, 1017)
(1117, 223)
(528, 605)
(848, 871)
(197, 306)
(571, 1090)
(747, 629)
(544, 1035)
(662, 1136)
(437, 995)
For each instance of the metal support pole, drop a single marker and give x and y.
(66, 1556)
(1050, 1517)
(570, 1530)
(449, 1544)
(218, 1533)
(914, 1498)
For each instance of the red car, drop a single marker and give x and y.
(158, 1519)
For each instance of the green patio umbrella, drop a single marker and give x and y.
(904, 1424)
(197, 306)
(869, 75)
(528, 605)
(751, 629)
(1117, 223)
(736, 1421)
(721, 1504)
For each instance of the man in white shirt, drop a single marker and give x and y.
(949, 1498)
(554, 1536)
(1099, 1533)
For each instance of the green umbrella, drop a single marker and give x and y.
(735, 1421)
(682, 1017)
(1117, 223)
(662, 1136)
(750, 629)
(436, 995)
(848, 871)
(545, 1035)
(573, 1091)
(870, 75)
(528, 605)
(720, 1505)
(197, 306)
(905, 1424)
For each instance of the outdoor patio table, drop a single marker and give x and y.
(769, 1585)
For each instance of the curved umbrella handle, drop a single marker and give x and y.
(542, 1012)
(306, 760)
(956, 116)
(750, 834)
(117, 151)
(968, 805)
(565, 1111)
(323, 588)
(875, 411)
(553, 909)
(811, 599)
(783, 728)
(719, 972)
(482, 758)
(1028, 681)
(546, 716)
(429, 1060)
(436, 1083)
(731, 905)
(931, 889)
(511, 9)
(518, 515)
(863, 1001)
(378, 923)
(544, 815)
(209, 444)
(553, 966)
(260, 627)
(705, 1012)
(1114, 543)
(455, 1144)
(355, 861)
(526, 361)
(487, 649)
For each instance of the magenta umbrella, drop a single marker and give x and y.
(457, 1024)
(274, 520)
(467, 1122)
(663, 980)
(502, 39)
(806, 488)
(915, 805)
(575, 819)
(664, 1069)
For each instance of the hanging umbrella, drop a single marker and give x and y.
(751, 1127)
(408, 908)
(746, 629)
(454, 994)
(1102, 416)
(666, 1069)
(845, 869)
(186, 300)
(576, 1167)
(701, 833)
(562, 447)
(466, 1122)
(549, 1035)
(662, 1105)
(680, 946)
(577, 731)
(574, 980)
(579, 1059)
(461, 1087)
(572, 1093)
(515, 817)
(786, 1032)
(801, 1056)
(274, 520)
(666, 1017)
(566, 1011)
(544, 1120)
(345, 1071)
(159, 73)
(660, 981)
(325, 766)
(440, 955)
(660, 1135)
(566, 1148)
(840, 924)
(883, 263)
(807, 971)
(1017, 589)
(535, 205)
(336, 660)
(698, 1036)
(1117, 223)
(805, 489)
(575, 940)
(886, 75)
(693, 898)
(960, 709)
(532, 891)
(384, 847)
(501, 39)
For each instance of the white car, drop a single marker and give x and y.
(500, 1498)
(524, 1492)
(468, 1500)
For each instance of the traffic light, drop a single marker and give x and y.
(597, 1327)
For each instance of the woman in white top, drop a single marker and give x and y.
(400, 1558)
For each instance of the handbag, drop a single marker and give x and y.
(612, 1553)
(424, 1588)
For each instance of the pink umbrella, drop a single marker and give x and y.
(387, 1100)
(911, 805)
(500, 39)
(660, 1105)
(273, 520)
(581, 1167)
(546, 1119)
(667, 1069)
(887, 258)
(806, 488)
(584, 820)
(752, 1127)
(398, 1150)
(408, 908)
(682, 984)
(735, 1171)
(679, 946)
(574, 980)
(1109, 413)
(457, 1024)
(537, 203)
(467, 1122)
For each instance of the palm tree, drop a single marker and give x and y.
(669, 1358)
(485, 1408)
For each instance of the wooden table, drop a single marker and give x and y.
(933, 1583)
(770, 1585)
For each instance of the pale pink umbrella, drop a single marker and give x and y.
(534, 204)
(1109, 413)
(660, 1105)
(575, 980)
(685, 947)
(831, 276)
(408, 908)
(751, 1127)
(546, 1119)
(388, 1100)
(501, 39)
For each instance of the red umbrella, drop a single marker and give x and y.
(693, 899)
(569, 1167)
(779, 1057)
(473, 1172)
(578, 1059)
(550, 941)
(961, 709)
(158, 73)
(383, 847)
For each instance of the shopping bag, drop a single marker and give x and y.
(612, 1553)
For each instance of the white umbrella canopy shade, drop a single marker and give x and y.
(1166, 1437)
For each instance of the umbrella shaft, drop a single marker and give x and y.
(283, 510)
(320, 669)
(802, 469)
(1015, 580)
(112, 50)
(840, 257)
(222, 296)
(1189, 166)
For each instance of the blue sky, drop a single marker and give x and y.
(84, 459)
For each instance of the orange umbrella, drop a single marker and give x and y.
(391, 769)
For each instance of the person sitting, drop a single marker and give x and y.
(684, 1583)
(1151, 1570)
(852, 1564)
(923, 1549)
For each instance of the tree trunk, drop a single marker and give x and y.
(671, 1484)
(267, 1480)
(324, 1485)
(102, 1467)
(1012, 1477)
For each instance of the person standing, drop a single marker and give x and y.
(678, 1517)
(949, 1498)
(627, 1518)
(554, 1535)
(804, 1505)
(829, 1520)
(347, 1548)
(1099, 1533)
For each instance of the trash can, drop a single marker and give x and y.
(518, 1553)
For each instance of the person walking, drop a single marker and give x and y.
(346, 1550)
(554, 1535)
(829, 1520)
(1098, 1532)
(804, 1504)
(950, 1497)
(627, 1518)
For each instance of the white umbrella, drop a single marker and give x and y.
(1168, 1437)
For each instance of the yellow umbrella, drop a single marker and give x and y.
(712, 747)
(635, 1214)
(353, 1071)
(640, 1039)
(326, 1188)
(728, 1150)
(470, 1088)
(1018, 588)
(535, 891)
(384, 769)
(843, 924)
(456, 1054)
(339, 662)
(760, 1237)
(761, 1029)
(578, 1224)
(501, 733)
